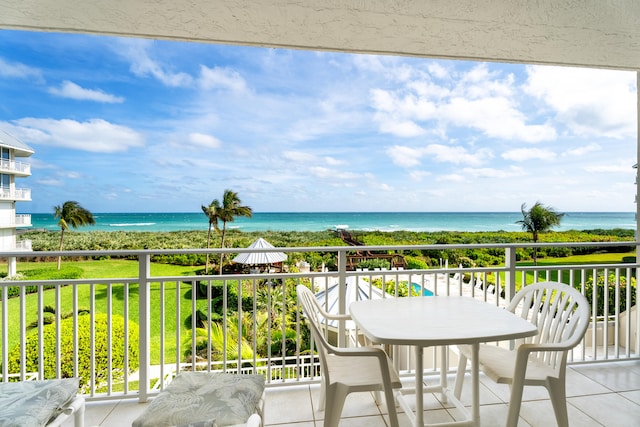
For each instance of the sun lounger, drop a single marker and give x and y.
(41, 403)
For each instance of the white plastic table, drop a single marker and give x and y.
(438, 321)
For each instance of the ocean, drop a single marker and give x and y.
(365, 221)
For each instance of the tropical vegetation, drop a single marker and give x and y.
(538, 219)
(70, 213)
(225, 211)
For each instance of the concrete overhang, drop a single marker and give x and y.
(589, 33)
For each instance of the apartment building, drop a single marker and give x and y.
(11, 169)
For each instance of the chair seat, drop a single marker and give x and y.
(498, 364)
(38, 403)
(354, 371)
(206, 399)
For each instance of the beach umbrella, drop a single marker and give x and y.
(357, 290)
(255, 258)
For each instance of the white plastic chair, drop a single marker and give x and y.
(561, 314)
(347, 370)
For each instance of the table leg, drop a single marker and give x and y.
(443, 373)
(419, 397)
(475, 384)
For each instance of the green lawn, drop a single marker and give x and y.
(115, 269)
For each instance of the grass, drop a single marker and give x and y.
(121, 293)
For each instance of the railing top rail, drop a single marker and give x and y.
(139, 252)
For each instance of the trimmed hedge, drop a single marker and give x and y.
(100, 345)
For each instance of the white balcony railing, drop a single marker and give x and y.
(87, 316)
(15, 167)
(18, 194)
(23, 220)
(20, 220)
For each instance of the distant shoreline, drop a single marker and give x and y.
(354, 221)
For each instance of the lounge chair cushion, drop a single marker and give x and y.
(204, 399)
(35, 403)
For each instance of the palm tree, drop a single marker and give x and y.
(538, 219)
(227, 211)
(71, 214)
(212, 212)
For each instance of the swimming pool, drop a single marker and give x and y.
(417, 288)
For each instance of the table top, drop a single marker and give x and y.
(437, 320)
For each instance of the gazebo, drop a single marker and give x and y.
(261, 257)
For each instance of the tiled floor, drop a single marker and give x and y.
(597, 394)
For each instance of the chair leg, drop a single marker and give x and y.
(391, 407)
(336, 395)
(557, 393)
(462, 366)
(515, 401)
(323, 393)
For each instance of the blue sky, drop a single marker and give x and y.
(135, 125)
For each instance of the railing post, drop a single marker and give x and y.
(342, 296)
(144, 273)
(510, 275)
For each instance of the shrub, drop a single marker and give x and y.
(611, 286)
(375, 263)
(414, 263)
(100, 345)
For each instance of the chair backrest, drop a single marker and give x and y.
(561, 314)
(315, 316)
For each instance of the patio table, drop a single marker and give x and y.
(438, 321)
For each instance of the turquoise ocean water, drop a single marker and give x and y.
(367, 221)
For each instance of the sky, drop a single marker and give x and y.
(138, 125)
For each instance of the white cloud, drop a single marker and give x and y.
(496, 117)
(141, 63)
(419, 175)
(299, 156)
(494, 173)
(622, 167)
(479, 99)
(585, 149)
(333, 174)
(71, 90)
(221, 78)
(50, 182)
(524, 154)
(453, 177)
(16, 70)
(201, 140)
(404, 156)
(94, 135)
(457, 154)
(588, 101)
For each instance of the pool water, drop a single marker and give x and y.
(425, 293)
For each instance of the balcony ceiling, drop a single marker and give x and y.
(591, 33)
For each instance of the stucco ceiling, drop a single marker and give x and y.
(593, 33)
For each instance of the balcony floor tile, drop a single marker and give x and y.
(604, 394)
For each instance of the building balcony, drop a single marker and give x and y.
(257, 310)
(17, 194)
(15, 167)
(20, 220)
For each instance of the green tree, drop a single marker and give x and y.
(538, 219)
(212, 213)
(71, 214)
(227, 211)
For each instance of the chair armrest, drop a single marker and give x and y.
(527, 348)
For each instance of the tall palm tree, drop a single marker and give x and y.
(538, 219)
(212, 212)
(71, 214)
(225, 211)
